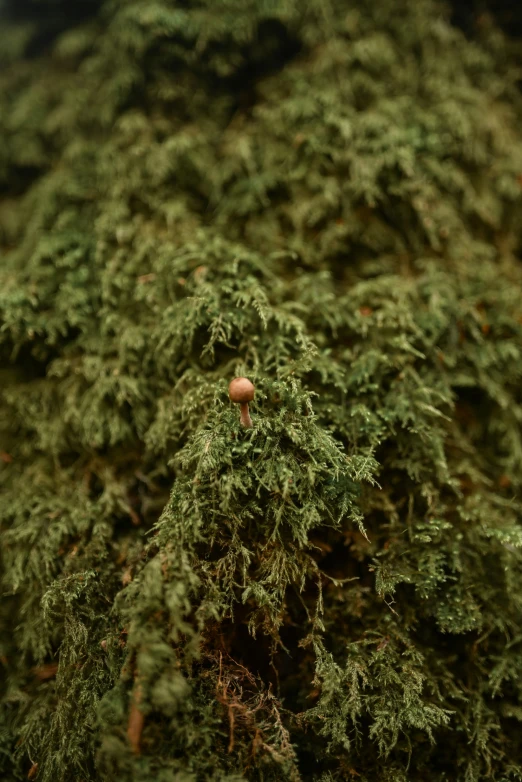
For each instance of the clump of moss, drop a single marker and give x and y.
(323, 198)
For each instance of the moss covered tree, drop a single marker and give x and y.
(324, 197)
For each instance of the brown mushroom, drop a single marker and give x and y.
(241, 391)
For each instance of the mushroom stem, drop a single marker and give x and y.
(246, 421)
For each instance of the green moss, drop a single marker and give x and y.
(325, 198)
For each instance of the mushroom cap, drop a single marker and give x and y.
(241, 390)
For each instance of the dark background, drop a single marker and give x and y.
(54, 16)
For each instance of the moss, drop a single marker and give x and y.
(325, 198)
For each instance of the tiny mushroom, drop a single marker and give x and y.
(241, 391)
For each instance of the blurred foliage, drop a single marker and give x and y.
(325, 197)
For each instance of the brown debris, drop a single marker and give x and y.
(136, 720)
(46, 671)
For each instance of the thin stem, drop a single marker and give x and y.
(246, 421)
(136, 720)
